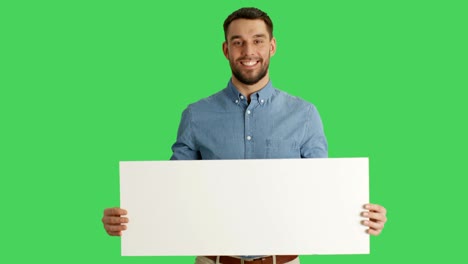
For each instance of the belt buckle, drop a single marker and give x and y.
(253, 260)
(262, 259)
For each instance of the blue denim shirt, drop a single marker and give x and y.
(273, 125)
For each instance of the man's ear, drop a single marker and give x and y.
(272, 46)
(225, 50)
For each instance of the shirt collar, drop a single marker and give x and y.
(261, 95)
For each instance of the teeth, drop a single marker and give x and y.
(249, 63)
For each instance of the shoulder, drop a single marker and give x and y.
(215, 102)
(291, 101)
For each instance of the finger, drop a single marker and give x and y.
(115, 233)
(115, 211)
(374, 232)
(375, 216)
(376, 208)
(373, 225)
(113, 220)
(115, 228)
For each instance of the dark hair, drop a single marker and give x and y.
(248, 13)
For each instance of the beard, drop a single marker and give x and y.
(249, 77)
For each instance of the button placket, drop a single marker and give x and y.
(248, 131)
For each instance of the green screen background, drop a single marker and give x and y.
(85, 84)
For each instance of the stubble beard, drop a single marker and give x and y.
(245, 78)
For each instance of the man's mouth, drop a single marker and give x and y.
(249, 63)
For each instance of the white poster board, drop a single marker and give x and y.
(245, 207)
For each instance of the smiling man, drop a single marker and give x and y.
(248, 49)
(249, 119)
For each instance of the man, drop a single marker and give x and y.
(249, 120)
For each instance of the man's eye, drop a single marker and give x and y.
(236, 43)
(258, 41)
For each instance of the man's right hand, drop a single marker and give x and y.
(113, 221)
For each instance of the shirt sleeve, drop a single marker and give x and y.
(185, 146)
(315, 143)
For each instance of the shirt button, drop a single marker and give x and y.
(249, 137)
(261, 101)
(241, 97)
(248, 112)
(237, 101)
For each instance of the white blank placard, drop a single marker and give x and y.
(244, 207)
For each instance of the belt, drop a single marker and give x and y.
(280, 259)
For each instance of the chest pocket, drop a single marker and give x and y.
(282, 149)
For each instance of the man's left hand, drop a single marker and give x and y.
(377, 215)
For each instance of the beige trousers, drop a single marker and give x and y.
(204, 260)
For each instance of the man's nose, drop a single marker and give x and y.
(248, 49)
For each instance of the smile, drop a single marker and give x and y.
(249, 63)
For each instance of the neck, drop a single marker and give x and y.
(246, 89)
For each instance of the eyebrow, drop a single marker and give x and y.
(234, 37)
(255, 36)
(260, 36)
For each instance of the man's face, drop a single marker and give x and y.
(248, 48)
